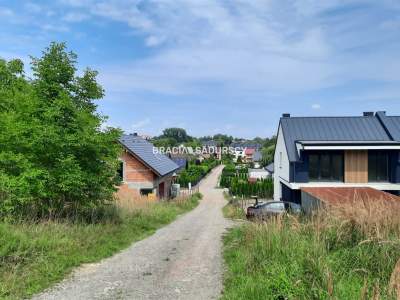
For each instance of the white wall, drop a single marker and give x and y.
(281, 165)
(259, 175)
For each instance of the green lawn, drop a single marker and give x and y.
(305, 259)
(34, 256)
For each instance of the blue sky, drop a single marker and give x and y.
(220, 66)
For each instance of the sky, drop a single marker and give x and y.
(231, 66)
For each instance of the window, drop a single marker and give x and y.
(280, 160)
(146, 192)
(378, 163)
(326, 166)
(120, 170)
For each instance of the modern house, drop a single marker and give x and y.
(334, 152)
(143, 169)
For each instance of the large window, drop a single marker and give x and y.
(326, 166)
(378, 166)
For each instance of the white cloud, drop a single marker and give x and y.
(73, 17)
(316, 106)
(285, 46)
(53, 27)
(6, 12)
(153, 41)
(141, 124)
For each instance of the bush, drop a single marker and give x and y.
(194, 173)
(54, 159)
(237, 182)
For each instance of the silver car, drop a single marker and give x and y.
(272, 208)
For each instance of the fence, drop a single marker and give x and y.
(186, 192)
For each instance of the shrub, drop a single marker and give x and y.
(54, 159)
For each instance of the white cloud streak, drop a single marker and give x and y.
(256, 46)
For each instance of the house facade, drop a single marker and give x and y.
(244, 151)
(211, 149)
(360, 151)
(143, 170)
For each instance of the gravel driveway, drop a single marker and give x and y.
(180, 261)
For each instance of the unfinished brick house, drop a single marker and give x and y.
(143, 170)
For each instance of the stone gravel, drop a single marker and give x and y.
(182, 260)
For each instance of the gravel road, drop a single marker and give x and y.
(180, 261)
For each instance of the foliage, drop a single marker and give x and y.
(178, 134)
(238, 183)
(268, 155)
(54, 158)
(194, 173)
(221, 139)
(348, 256)
(33, 255)
(164, 142)
(233, 211)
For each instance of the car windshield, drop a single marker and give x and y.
(275, 206)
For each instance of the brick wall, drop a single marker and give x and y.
(135, 171)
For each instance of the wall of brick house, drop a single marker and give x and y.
(167, 186)
(135, 171)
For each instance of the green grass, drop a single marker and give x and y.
(292, 259)
(34, 256)
(232, 210)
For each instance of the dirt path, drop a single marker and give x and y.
(180, 261)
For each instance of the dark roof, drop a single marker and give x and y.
(210, 143)
(248, 145)
(341, 129)
(180, 161)
(257, 156)
(270, 168)
(144, 151)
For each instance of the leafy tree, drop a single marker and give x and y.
(268, 155)
(179, 134)
(55, 160)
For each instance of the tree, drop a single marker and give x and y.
(55, 159)
(179, 134)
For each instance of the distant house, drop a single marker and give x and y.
(211, 149)
(331, 153)
(244, 150)
(255, 174)
(270, 169)
(143, 169)
(248, 152)
(180, 161)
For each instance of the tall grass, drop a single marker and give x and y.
(33, 255)
(346, 252)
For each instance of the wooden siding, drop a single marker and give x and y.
(356, 166)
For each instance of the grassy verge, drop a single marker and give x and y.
(34, 256)
(232, 210)
(328, 257)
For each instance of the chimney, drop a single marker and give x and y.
(134, 134)
(368, 113)
(285, 115)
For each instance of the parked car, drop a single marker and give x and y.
(272, 208)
